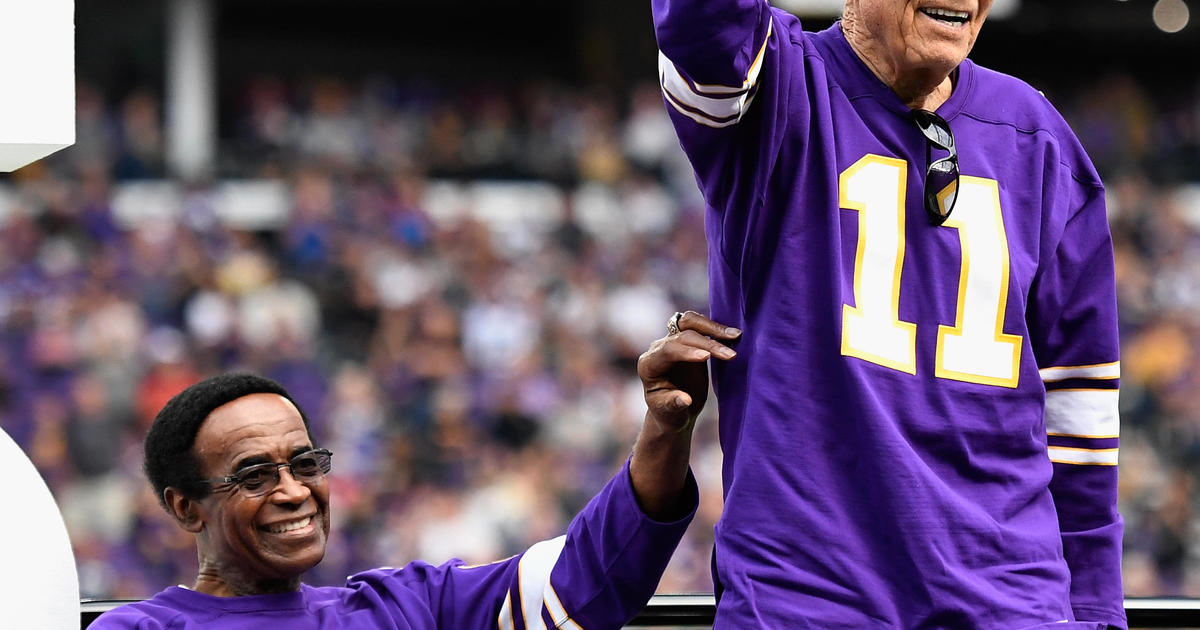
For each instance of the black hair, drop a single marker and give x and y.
(169, 460)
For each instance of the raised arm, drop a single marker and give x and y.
(674, 375)
(604, 570)
(732, 79)
(711, 58)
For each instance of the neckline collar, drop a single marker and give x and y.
(242, 603)
(867, 83)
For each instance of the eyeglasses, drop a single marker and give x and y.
(941, 177)
(254, 481)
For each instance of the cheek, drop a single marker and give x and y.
(241, 523)
(323, 503)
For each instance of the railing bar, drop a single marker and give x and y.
(698, 610)
(1182, 603)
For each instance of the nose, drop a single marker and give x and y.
(289, 490)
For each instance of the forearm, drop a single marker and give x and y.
(658, 470)
(1086, 497)
(598, 576)
(674, 373)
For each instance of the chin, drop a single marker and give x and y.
(942, 60)
(289, 563)
(306, 559)
(291, 568)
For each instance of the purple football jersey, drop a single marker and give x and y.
(920, 430)
(599, 575)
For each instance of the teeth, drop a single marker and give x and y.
(960, 15)
(280, 528)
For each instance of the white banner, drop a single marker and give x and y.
(37, 79)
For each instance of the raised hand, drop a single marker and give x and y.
(673, 370)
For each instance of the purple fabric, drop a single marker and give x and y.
(607, 570)
(857, 494)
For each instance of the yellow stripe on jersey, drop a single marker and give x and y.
(711, 105)
(1083, 413)
(1083, 456)
(1104, 371)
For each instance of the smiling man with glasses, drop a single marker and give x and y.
(232, 461)
(921, 430)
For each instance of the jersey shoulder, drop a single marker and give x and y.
(1003, 99)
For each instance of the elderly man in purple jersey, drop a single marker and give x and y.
(232, 460)
(920, 430)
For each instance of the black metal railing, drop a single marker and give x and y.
(696, 611)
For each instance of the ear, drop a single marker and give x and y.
(187, 512)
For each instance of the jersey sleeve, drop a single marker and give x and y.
(599, 575)
(717, 59)
(1073, 315)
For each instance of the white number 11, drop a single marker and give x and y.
(975, 349)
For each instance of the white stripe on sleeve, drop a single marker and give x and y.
(712, 105)
(557, 612)
(1083, 413)
(1068, 455)
(1101, 371)
(533, 576)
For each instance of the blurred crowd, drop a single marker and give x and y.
(457, 294)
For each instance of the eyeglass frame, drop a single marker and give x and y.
(234, 481)
(929, 123)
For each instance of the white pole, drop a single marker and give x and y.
(191, 90)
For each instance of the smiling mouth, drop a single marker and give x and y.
(947, 16)
(289, 526)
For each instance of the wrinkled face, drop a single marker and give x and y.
(923, 35)
(276, 536)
